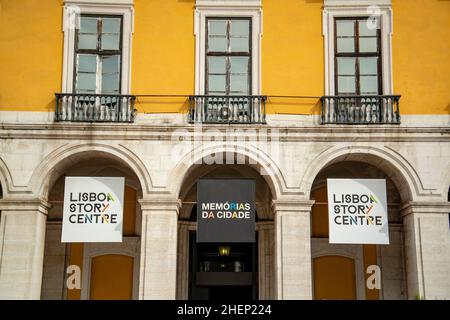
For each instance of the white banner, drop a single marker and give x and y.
(357, 211)
(93, 209)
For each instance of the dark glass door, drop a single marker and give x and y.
(222, 271)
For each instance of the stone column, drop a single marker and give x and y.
(293, 249)
(266, 269)
(22, 241)
(427, 249)
(158, 270)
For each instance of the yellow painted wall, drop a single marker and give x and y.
(421, 49)
(129, 214)
(319, 214)
(112, 278)
(292, 55)
(334, 278)
(163, 54)
(370, 258)
(31, 44)
(76, 258)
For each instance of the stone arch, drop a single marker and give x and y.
(5, 178)
(256, 159)
(397, 168)
(445, 184)
(54, 164)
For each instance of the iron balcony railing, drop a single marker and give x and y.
(83, 107)
(227, 109)
(374, 109)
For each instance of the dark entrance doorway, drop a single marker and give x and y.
(222, 271)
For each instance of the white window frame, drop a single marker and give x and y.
(358, 8)
(228, 9)
(71, 13)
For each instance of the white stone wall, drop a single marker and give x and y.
(34, 152)
(54, 261)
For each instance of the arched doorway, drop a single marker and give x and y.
(334, 278)
(196, 260)
(340, 271)
(106, 270)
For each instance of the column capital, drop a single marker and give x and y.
(294, 206)
(160, 204)
(25, 204)
(424, 208)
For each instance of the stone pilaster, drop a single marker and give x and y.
(293, 249)
(22, 242)
(427, 249)
(158, 273)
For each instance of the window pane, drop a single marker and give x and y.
(216, 83)
(346, 84)
(239, 65)
(110, 64)
(345, 28)
(368, 27)
(217, 27)
(217, 65)
(346, 66)
(86, 82)
(367, 44)
(240, 28)
(216, 93)
(87, 41)
(368, 66)
(345, 45)
(110, 83)
(239, 44)
(239, 84)
(87, 63)
(217, 44)
(88, 25)
(111, 25)
(110, 42)
(369, 84)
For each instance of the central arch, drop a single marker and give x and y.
(250, 155)
(262, 252)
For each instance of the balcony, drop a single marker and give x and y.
(227, 109)
(361, 109)
(80, 107)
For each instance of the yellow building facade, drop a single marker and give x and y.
(163, 54)
(149, 89)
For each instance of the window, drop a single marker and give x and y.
(227, 63)
(357, 56)
(357, 41)
(98, 55)
(92, 31)
(228, 56)
(228, 47)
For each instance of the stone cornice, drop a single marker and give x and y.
(76, 131)
(425, 208)
(20, 205)
(292, 206)
(149, 205)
